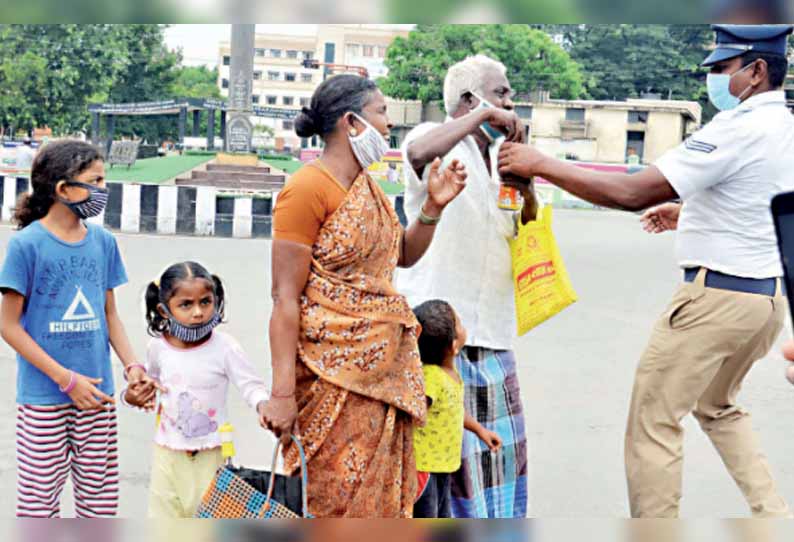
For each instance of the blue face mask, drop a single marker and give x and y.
(719, 88)
(490, 132)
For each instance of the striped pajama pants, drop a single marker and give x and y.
(56, 441)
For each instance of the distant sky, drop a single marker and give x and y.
(199, 42)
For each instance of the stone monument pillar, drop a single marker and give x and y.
(241, 70)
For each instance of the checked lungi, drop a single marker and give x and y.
(491, 485)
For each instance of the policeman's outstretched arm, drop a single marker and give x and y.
(629, 192)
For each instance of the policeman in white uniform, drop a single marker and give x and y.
(730, 308)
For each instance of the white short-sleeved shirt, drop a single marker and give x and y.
(727, 174)
(468, 263)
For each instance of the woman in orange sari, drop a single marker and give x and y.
(346, 371)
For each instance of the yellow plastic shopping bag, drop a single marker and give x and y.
(541, 283)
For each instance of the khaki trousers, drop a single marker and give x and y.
(698, 355)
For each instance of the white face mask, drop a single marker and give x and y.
(369, 146)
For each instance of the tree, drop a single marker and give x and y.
(196, 82)
(50, 72)
(417, 64)
(22, 77)
(150, 75)
(628, 60)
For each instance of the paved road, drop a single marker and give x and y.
(576, 371)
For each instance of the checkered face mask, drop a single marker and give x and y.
(194, 333)
(93, 205)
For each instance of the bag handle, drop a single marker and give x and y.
(304, 476)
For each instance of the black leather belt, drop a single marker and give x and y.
(715, 279)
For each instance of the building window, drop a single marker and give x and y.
(257, 75)
(353, 49)
(227, 60)
(524, 111)
(259, 52)
(574, 114)
(254, 99)
(308, 55)
(306, 77)
(369, 50)
(289, 77)
(636, 117)
(224, 83)
(305, 102)
(288, 100)
(275, 53)
(271, 100)
(381, 51)
(288, 124)
(292, 54)
(273, 76)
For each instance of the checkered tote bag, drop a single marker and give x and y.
(240, 493)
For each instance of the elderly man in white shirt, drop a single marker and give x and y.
(468, 265)
(730, 309)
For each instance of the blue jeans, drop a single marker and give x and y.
(435, 499)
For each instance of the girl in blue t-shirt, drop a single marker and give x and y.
(59, 314)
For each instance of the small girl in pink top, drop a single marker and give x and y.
(192, 363)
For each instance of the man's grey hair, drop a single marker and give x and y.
(468, 75)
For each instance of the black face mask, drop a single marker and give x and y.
(91, 206)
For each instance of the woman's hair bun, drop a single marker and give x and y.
(304, 123)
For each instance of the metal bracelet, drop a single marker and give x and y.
(428, 220)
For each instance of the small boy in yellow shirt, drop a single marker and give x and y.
(439, 443)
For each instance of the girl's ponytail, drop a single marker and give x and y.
(156, 323)
(220, 296)
(31, 207)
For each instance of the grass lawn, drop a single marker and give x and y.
(391, 189)
(290, 166)
(156, 170)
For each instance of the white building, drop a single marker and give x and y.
(281, 80)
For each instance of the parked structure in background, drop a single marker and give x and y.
(281, 80)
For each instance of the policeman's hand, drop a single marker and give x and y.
(516, 160)
(661, 218)
(526, 187)
(506, 122)
(788, 353)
